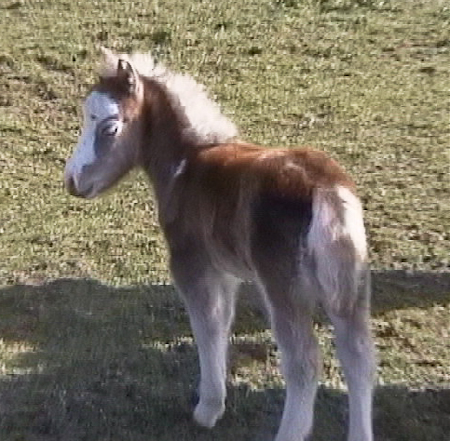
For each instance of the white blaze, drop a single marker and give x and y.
(97, 107)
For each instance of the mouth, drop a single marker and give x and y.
(74, 190)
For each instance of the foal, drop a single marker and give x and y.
(287, 219)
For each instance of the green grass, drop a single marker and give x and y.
(103, 352)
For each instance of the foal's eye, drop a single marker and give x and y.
(110, 130)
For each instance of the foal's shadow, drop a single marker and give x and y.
(392, 290)
(85, 361)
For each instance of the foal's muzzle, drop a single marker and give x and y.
(75, 189)
(69, 183)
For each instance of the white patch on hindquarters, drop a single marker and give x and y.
(337, 241)
(353, 221)
(328, 226)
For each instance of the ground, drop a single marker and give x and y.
(95, 345)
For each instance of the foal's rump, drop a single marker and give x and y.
(314, 245)
(337, 244)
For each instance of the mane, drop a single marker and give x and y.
(206, 123)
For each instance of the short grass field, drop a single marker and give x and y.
(94, 343)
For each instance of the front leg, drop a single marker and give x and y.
(209, 297)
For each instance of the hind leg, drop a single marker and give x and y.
(356, 352)
(210, 301)
(293, 328)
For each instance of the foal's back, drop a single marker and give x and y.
(242, 201)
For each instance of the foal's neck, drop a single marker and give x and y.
(165, 144)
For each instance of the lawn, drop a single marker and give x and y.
(94, 343)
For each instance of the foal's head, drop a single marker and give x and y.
(141, 114)
(109, 142)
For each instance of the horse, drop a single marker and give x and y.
(287, 219)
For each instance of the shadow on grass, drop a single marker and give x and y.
(85, 361)
(401, 289)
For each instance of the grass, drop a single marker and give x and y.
(86, 361)
(92, 347)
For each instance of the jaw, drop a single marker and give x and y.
(96, 179)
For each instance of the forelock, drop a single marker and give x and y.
(101, 105)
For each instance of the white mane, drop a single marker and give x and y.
(207, 124)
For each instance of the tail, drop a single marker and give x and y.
(337, 243)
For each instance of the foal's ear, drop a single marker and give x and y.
(128, 74)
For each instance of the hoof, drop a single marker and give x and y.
(206, 415)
